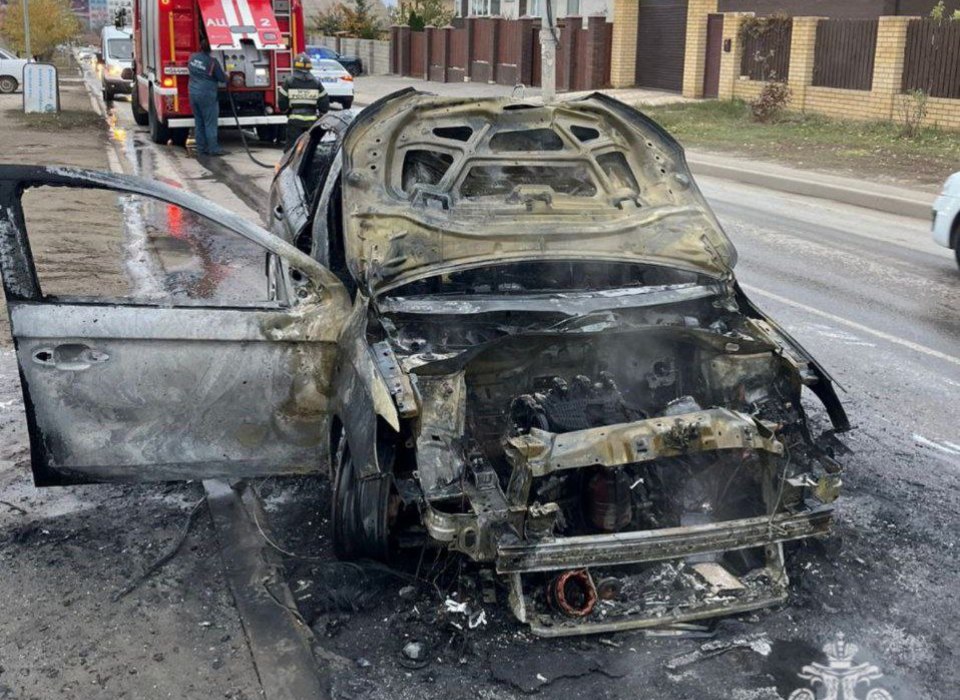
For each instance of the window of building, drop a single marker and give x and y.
(485, 8)
(573, 8)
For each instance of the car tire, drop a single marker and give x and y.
(267, 133)
(956, 254)
(179, 136)
(360, 511)
(140, 116)
(8, 84)
(159, 133)
(346, 102)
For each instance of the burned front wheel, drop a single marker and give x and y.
(363, 511)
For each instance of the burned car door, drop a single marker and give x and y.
(123, 391)
(301, 177)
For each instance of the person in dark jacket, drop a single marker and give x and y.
(205, 77)
(302, 99)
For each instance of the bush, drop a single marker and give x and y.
(771, 102)
(911, 111)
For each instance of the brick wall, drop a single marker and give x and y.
(878, 104)
(696, 49)
(623, 54)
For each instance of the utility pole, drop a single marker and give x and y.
(548, 53)
(26, 29)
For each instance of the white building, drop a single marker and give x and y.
(513, 9)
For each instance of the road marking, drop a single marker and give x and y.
(916, 347)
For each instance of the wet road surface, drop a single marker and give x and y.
(875, 301)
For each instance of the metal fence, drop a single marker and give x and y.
(932, 58)
(766, 56)
(845, 53)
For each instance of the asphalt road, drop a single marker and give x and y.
(877, 303)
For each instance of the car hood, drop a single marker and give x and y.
(413, 208)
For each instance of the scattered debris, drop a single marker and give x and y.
(166, 556)
(13, 507)
(414, 655)
(758, 643)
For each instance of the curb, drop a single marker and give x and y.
(916, 205)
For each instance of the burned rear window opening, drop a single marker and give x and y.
(546, 277)
(573, 180)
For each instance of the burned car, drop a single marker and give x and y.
(504, 329)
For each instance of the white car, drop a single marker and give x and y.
(336, 80)
(946, 216)
(11, 71)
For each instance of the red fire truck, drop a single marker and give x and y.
(254, 40)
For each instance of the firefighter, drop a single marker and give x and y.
(302, 98)
(205, 77)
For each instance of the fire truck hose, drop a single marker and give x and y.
(243, 136)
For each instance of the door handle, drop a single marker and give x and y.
(71, 357)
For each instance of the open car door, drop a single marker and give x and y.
(134, 391)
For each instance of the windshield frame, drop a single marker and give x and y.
(116, 40)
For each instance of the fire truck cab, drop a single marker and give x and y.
(254, 40)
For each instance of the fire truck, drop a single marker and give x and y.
(254, 40)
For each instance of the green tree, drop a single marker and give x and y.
(422, 13)
(329, 21)
(52, 22)
(359, 20)
(355, 19)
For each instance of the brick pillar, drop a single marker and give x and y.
(888, 63)
(695, 53)
(595, 70)
(730, 60)
(623, 52)
(803, 48)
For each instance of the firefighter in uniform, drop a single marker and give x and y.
(205, 78)
(302, 98)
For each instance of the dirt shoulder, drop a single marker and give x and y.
(76, 236)
(873, 151)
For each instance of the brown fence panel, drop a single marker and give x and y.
(418, 53)
(932, 58)
(844, 54)
(767, 56)
(459, 52)
(508, 52)
(436, 54)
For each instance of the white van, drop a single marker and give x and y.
(116, 55)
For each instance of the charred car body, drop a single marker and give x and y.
(514, 332)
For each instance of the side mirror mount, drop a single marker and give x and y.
(99, 58)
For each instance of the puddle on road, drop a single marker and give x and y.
(173, 254)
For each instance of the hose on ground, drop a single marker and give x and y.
(243, 136)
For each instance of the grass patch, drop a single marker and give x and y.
(872, 149)
(67, 119)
